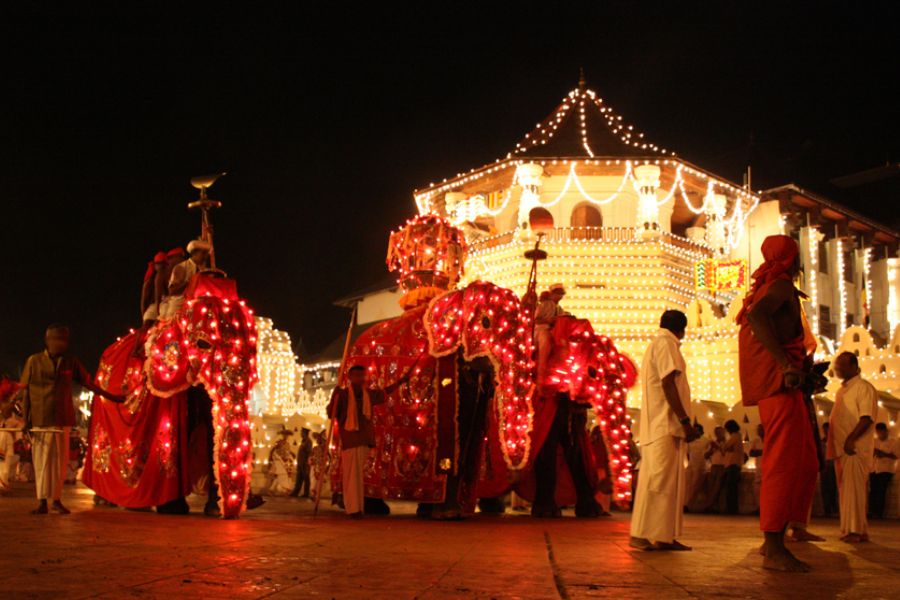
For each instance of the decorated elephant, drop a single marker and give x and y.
(199, 369)
(465, 359)
(467, 422)
(585, 371)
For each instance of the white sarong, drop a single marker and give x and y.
(853, 478)
(659, 505)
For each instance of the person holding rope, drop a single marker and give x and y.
(351, 408)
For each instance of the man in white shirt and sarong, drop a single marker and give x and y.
(851, 443)
(666, 430)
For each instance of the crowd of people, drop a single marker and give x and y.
(854, 457)
(777, 376)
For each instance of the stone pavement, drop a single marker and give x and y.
(281, 550)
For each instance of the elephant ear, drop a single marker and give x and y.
(629, 371)
(167, 366)
(486, 320)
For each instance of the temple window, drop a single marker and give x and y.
(586, 215)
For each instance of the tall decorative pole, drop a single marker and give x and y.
(205, 204)
(529, 300)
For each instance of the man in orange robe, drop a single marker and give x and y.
(775, 357)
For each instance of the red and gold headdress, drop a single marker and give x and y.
(429, 255)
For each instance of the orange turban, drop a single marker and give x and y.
(779, 253)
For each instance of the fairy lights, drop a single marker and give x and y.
(212, 341)
(842, 288)
(588, 103)
(812, 244)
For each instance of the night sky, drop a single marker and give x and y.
(327, 122)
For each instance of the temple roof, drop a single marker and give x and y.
(583, 126)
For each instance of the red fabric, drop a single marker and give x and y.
(789, 461)
(589, 368)
(138, 460)
(761, 376)
(174, 252)
(406, 426)
(211, 342)
(779, 253)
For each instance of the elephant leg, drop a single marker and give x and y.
(475, 391)
(544, 505)
(573, 444)
(200, 406)
(376, 506)
(492, 506)
(178, 506)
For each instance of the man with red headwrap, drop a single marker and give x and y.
(775, 349)
(149, 298)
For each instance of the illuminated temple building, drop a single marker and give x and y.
(631, 230)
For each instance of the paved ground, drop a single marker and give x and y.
(281, 550)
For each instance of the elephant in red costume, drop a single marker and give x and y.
(468, 361)
(138, 452)
(585, 370)
(466, 422)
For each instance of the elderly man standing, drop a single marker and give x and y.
(775, 355)
(48, 378)
(352, 406)
(666, 430)
(851, 444)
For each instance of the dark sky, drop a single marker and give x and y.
(326, 122)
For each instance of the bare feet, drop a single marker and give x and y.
(803, 535)
(58, 507)
(783, 560)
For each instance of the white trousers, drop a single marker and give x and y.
(47, 455)
(659, 505)
(8, 466)
(353, 461)
(853, 478)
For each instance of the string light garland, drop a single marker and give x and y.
(842, 288)
(212, 341)
(812, 244)
(487, 320)
(590, 369)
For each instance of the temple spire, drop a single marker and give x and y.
(581, 81)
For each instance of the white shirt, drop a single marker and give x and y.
(717, 458)
(663, 356)
(190, 269)
(855, 399)
(891, 446)
(696, 451)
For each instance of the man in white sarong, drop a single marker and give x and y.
(282, 471)
(851, 443)
(666, 430)
(48, 405)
